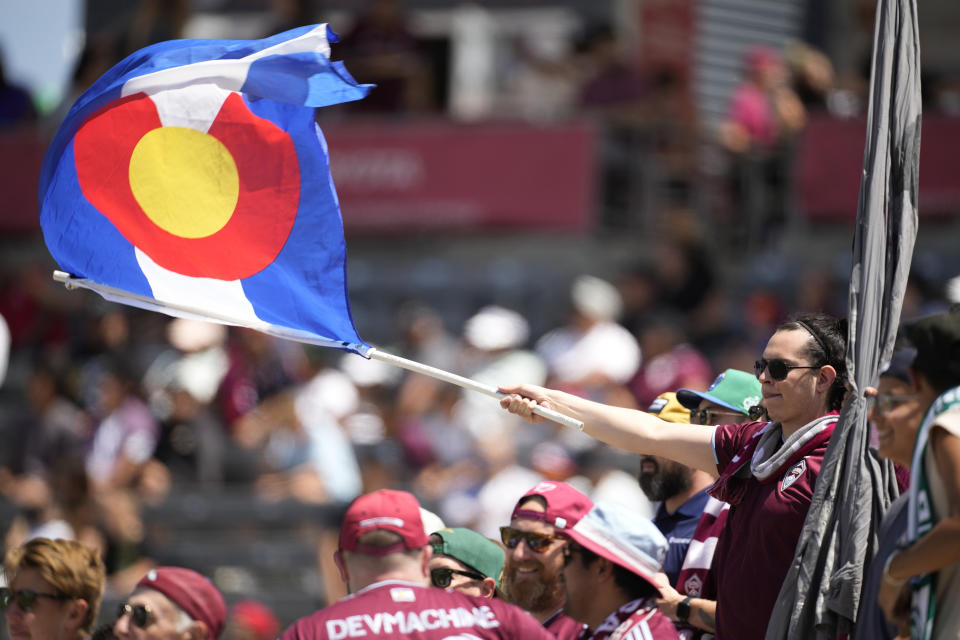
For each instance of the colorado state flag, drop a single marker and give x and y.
(192, 179)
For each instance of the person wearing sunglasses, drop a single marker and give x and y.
(384, 556)
(466, 561)
(53, 590)
(532, 577)
(610, 575)
(767, 468)
(172, 603)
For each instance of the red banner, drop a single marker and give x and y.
(830, 158)
(459, 177)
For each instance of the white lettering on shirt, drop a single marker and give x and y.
(404, 623)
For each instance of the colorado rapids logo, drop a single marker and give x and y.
(693, 586)
(791, 476)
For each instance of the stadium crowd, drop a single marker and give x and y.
(109, 413)
(453, 515)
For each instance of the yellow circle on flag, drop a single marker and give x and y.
(185, 180)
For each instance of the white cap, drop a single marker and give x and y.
(493, 328)
(596, 298)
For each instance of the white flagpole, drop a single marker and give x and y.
(144, 302)
(467, 383)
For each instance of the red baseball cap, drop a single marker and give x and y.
(565, 505)
(387, 510)
(192, 592)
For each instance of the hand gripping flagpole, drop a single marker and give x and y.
(143, 302)
(467, 383)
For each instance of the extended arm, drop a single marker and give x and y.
(625, 429)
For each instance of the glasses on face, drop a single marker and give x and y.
(140, 614)
(26, 599)
(536, 541)
(887, 402)
(443, 577)
(714, 416)
(777, 368)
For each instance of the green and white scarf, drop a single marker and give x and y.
(920, 519)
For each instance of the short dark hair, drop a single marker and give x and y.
(937, 341)
(827, 346)
(632, 584)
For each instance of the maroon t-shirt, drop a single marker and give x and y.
(754, 553)
(398, 609)
(563, 627)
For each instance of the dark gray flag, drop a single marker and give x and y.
(821, 594)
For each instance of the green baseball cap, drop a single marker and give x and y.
(472, 549)
(733, 389)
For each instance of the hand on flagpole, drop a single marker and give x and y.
(524, 399)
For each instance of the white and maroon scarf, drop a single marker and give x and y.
(626, 616)
(764, 457)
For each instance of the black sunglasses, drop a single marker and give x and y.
(777, 368)
(709, 416)
(26, 598)
(140, 614)
(442, 577)
(536, 541)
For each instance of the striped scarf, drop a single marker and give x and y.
(764, 457)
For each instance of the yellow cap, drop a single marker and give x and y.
(666, 407)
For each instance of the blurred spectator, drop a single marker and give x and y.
(611, 87)
(126, 435)
(382, 50)
(181, 383)
(812, 73)
(612, 474)
(541, 83)
(251, 620)
(614, 93)
(670, 361)
(256, 371)
(16, 105)
(592, 354)
(57, 430)
(764, 116)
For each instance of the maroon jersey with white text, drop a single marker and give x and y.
(399, 609)
(755, 551)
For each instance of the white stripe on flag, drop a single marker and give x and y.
(228, 74)
(226, 296)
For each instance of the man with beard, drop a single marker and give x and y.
(532, 574)
(681, 490)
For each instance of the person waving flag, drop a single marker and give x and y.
(192, 179)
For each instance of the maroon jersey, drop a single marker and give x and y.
(636, 620)
(563, 627)
(755, 552)
(398, 609)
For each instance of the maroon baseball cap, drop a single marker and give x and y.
(387, 510)
(565, 505)
(192, 592)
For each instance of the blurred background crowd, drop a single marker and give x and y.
(615, 197)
